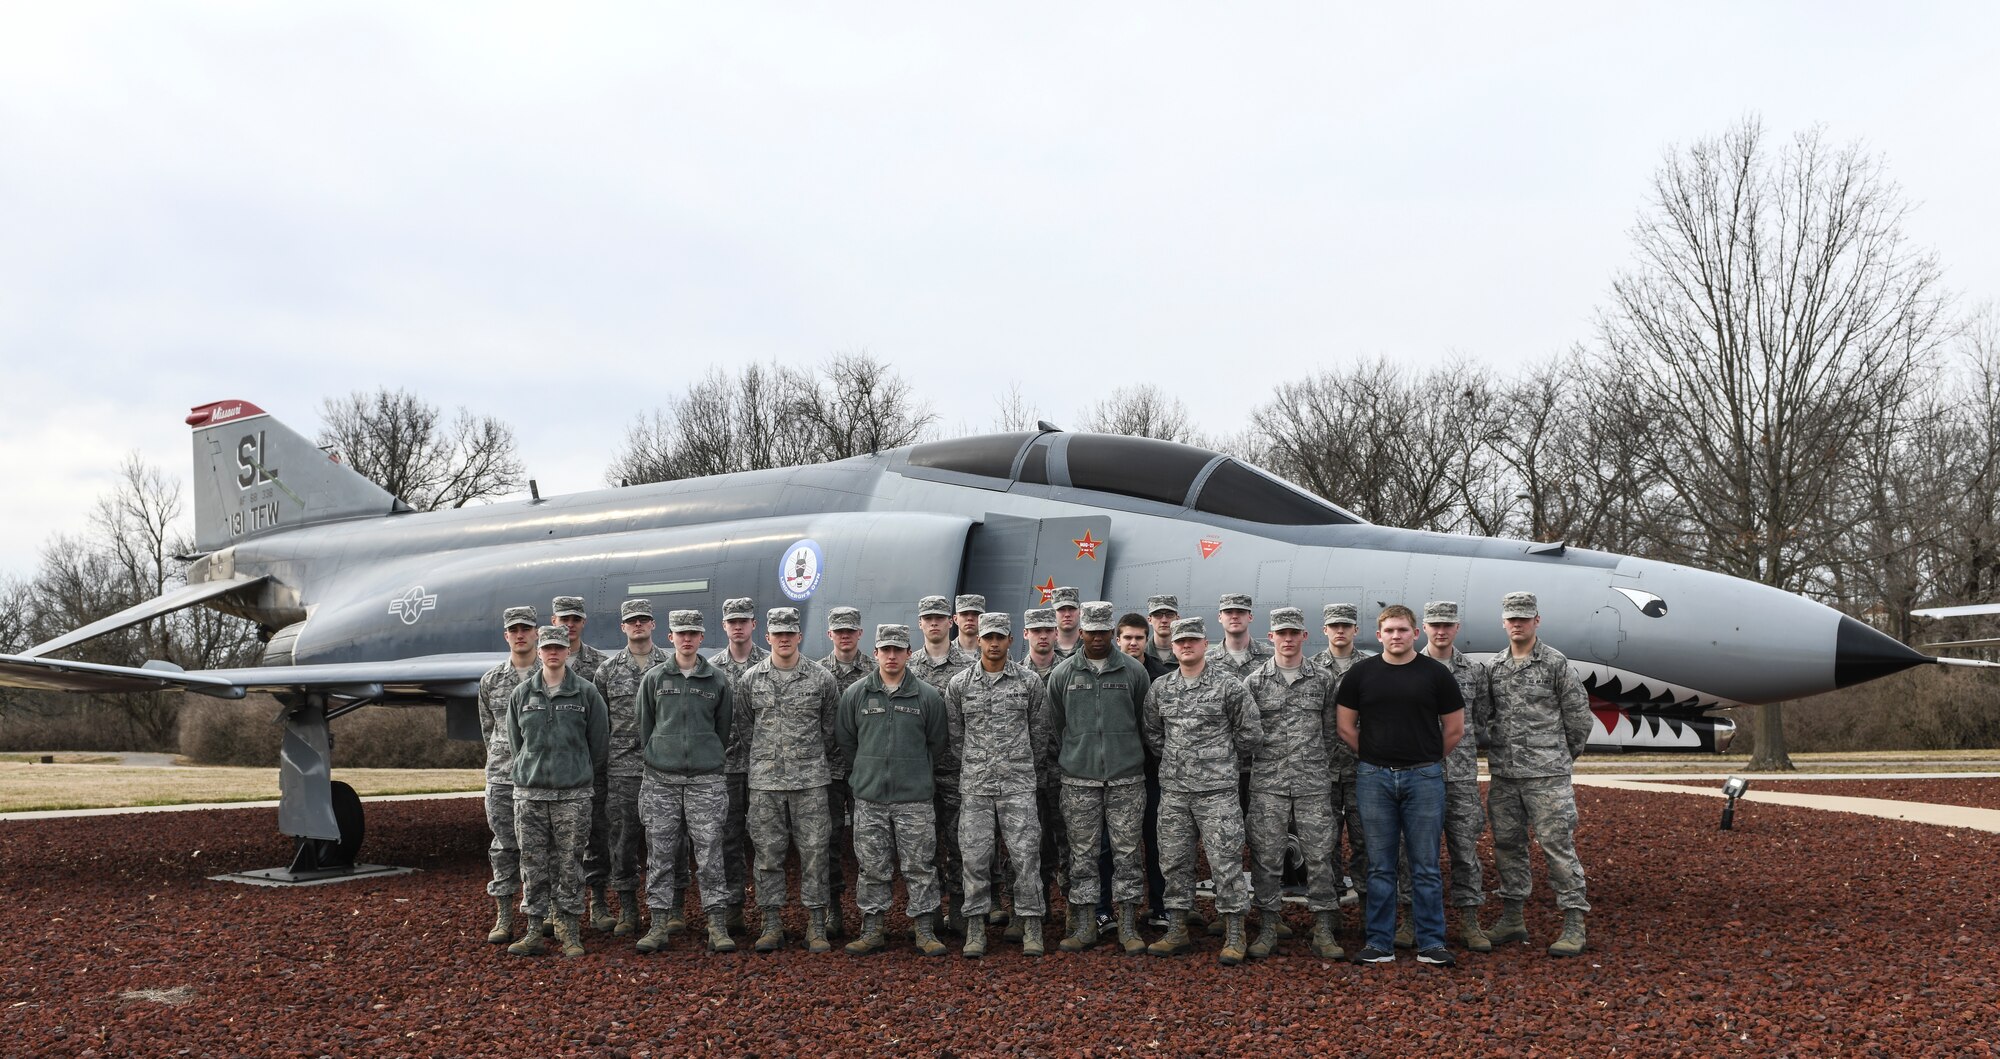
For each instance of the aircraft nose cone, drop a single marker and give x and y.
(1862, 653)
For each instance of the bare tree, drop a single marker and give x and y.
(405, 445)
(862, 407)
(1143, 411)
(1774, 328)
(1014, 412)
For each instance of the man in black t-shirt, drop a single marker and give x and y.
(1401, 713)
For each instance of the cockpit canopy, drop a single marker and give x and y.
(1163, 472)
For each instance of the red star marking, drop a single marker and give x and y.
(1086, 548)
(1047, 589)
(1208, 546)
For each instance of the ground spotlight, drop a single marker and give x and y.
(1732, 789)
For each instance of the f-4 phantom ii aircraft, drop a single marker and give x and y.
(365, 601)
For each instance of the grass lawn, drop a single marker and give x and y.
(27, 787)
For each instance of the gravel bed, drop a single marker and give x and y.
(1798, 933)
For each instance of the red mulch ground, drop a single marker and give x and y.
(1798, 933)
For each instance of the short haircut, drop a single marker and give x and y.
(1396, 610)
(1132, 620)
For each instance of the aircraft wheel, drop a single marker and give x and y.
(340, 853)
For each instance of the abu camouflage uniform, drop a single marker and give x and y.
(503, 853)
(1098, 717)
(893, 738)
(839, 794)
(736, 864)
(945, 796)
(1000, 727)
(1291, 781)
(1539, 722)
(1199, 728)
(560, 740)
(788, 715)
(1346, 772)
(1219, 659)
(684, 722)
(624, 839)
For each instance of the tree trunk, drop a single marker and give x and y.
(1770, 755)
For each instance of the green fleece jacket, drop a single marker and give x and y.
(684, 720)
(560, 738)
(895, 739)
(1097, 718)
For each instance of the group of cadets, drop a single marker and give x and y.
(1096, 762)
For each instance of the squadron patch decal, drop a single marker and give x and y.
(1208, 546)
(799, 572)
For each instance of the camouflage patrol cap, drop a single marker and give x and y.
(1441, 612)
(635, 608)
(551, 636)
(1039, 618)
(513, 616)
(1287, 618)
(1234, 601)
(892, 636)
(781, 619)
(1066, 596)
(1190, 629)
(740, 607)
(1168, 602)
(974, 603)
(1340, 614)
(1519, 605)
(565, 606)
(930, 605)
(843, 618)
(1097, 617)
(684, 621)
(995, 623)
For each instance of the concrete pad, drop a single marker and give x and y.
(1959, 816)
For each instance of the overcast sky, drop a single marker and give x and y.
(558, 214)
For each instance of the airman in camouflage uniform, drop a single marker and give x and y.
(1291, 783)
(967, 609)
(569, 613)
(787, 704)
(893, 729)
(1041, 660)
(618, 681)
(1464, 817)
(1341, 620)
(739, 623)
(999, 721)
(847, 666)
(1540, 721)
(1039, 625)
(1199, 722)
(685, 714)
(495, 685)
(1237, 655)
(1161, 612)
(1068, 604)
(1097, 700)
(557, 730)
(935, 663)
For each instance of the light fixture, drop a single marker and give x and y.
(1732, 789)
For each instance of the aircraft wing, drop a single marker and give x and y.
(433, 678)
(179, 599)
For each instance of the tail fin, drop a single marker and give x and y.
(254, 476)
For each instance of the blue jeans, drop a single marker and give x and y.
(1403, 809)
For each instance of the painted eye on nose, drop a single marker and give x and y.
(1649, 604)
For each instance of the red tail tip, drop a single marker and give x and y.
(203, 415)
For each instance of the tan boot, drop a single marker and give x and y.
(601, 919)
(1031, 934)
(1082, 932)
(1571, 941)
(1473, 934)
(1195, 924)
(676, 912)
(1233, 948)
(530, 943)
(1324, 945)
(657, 935)
(1406, 928)
(836, 922)
(1512, 926)
(1014, 928)
(975, 938)
(816, 931)
(503, 920)
(924, 934)
(874, 937)
(1285, 931)
(718, 931)
(1175, 941)
(569, 931)
(548, 926)
(773, 937)
(1267, 936)
(628, 914)
(1219, 926)
(1129, 941)
(733, 919)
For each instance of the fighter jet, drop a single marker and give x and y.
(364, 601)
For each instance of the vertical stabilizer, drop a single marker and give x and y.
(254, 476)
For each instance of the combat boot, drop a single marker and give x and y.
(1217, 927)
(1233, 949)
(734, 918)
(1512, 926)
(836, 923)
(657, 935)
(628, 914)
(975, 938)
(530, 943)
(503, 920)
(718, 931)
(925, 936)
(1129, 941)
(1406, 929)
(1175, 941)
(570, 932)
(1013, 922)
(773, 937)
(873, 937)
(548, 926)
(1267, 936)
(1571, 941)
(1323, 942)
(952, 922)
(601, 919)
(676, 914)
(1195, 924)
(1031, 934)
(999, 916)
(1082, 932)
(816, 931)
(1474, 935)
